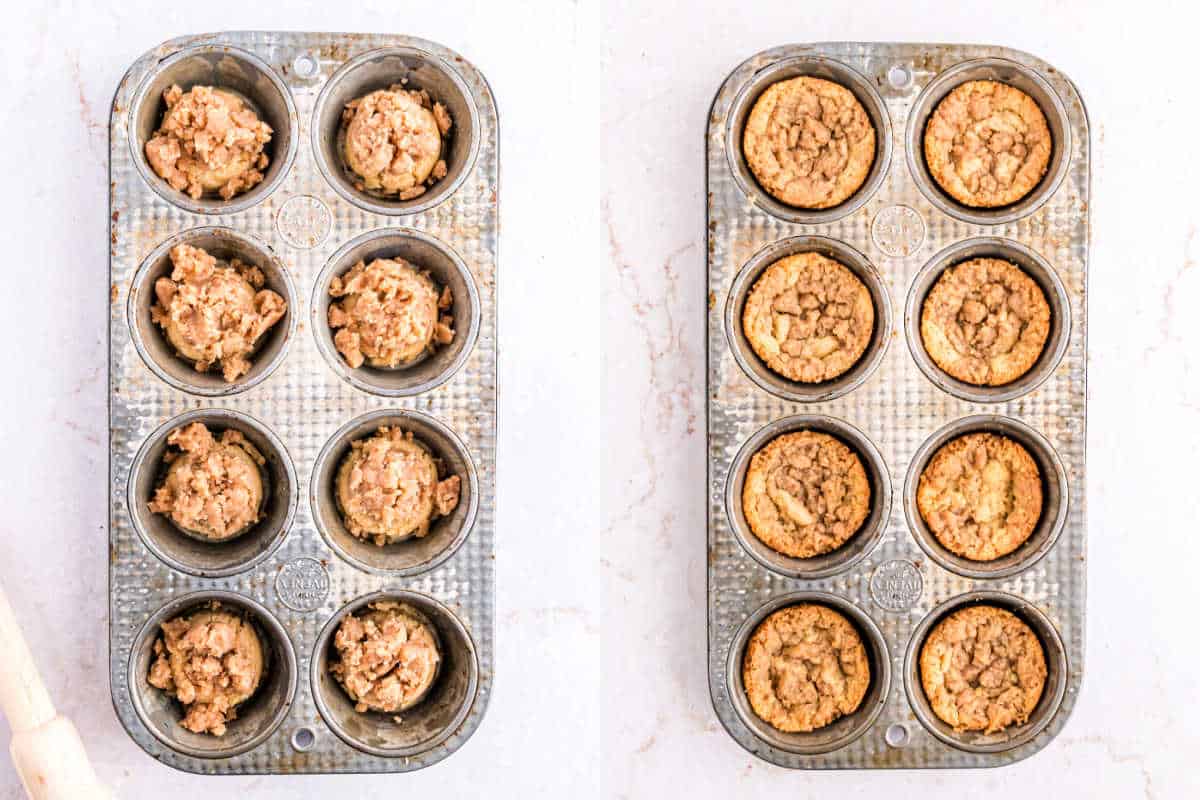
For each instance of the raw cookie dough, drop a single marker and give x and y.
(805, 666)
(983, 669)
(388, 488)
(214, 312)
(805, 494)
(387, 658)
(392, 140)
(809, 318)
(981, 496)
(809, 142)
(211, 661)
(390, 314)
(985, 322)
(987, 144)
(213, 487)
(209, 141)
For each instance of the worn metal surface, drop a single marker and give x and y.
(898, 408)
(302, 583)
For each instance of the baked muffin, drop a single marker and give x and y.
(808, 318)
(809, 142)
(805, 494)
(387, 657)
(985, 322)
(987, 144)
(214, 312)
(388, 488)
(805, 666)
(209, 142)
(211, 661)
(388, 314)
(391, 140)
(981, 496)
(983, 669)
(214, 487)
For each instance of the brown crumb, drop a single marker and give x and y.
(211, 662)
(983, 669)
(214, 312)
(387, 658)
(392, 140)
(388, 488)
(209, 141)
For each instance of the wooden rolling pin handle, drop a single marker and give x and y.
(46, 748)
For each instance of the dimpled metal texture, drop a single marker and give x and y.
(898, 408)
(303, 403)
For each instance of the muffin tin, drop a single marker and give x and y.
(893, 580)
(297, 573)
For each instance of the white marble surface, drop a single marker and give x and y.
(600, 686)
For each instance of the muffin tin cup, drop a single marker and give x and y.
(1014, 74)
(1052, 694)
(413, 555)
(426, 254)
(1033, 265)
(814, 66)
(257, 718)
(413, 68)
(189, 552)
(858, 546)
(160, 355)
(839, 733)
(432, 720)
(234, 70)
(1055, 500)
(754, 367)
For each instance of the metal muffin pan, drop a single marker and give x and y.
(897, 411)
(293, 574)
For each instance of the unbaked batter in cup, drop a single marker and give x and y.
(392, 141)
(387, 657)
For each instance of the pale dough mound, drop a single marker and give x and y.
(211, 662)
(809, 142)
(985, 322)
(213, 489)
(390, 314)
(805, 667)
(388, 488)
(209, 141)
(387, 658)
(981, 496)
(983, 669)
(987, 144)
(214, 312)
(392, 140)
(809, 318)
(805, 494)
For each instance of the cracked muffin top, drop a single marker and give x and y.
(209, 141)
(985, 322)
(805, 666)
(388, 488)
(809, 142)
(213, 487)
(987, 144)
(389, 314)
(211, 661)
(214, 312)
(809, 318)
(392, 141)
(387, 657)
(983, 669)
(981, 496)
(805, 494)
